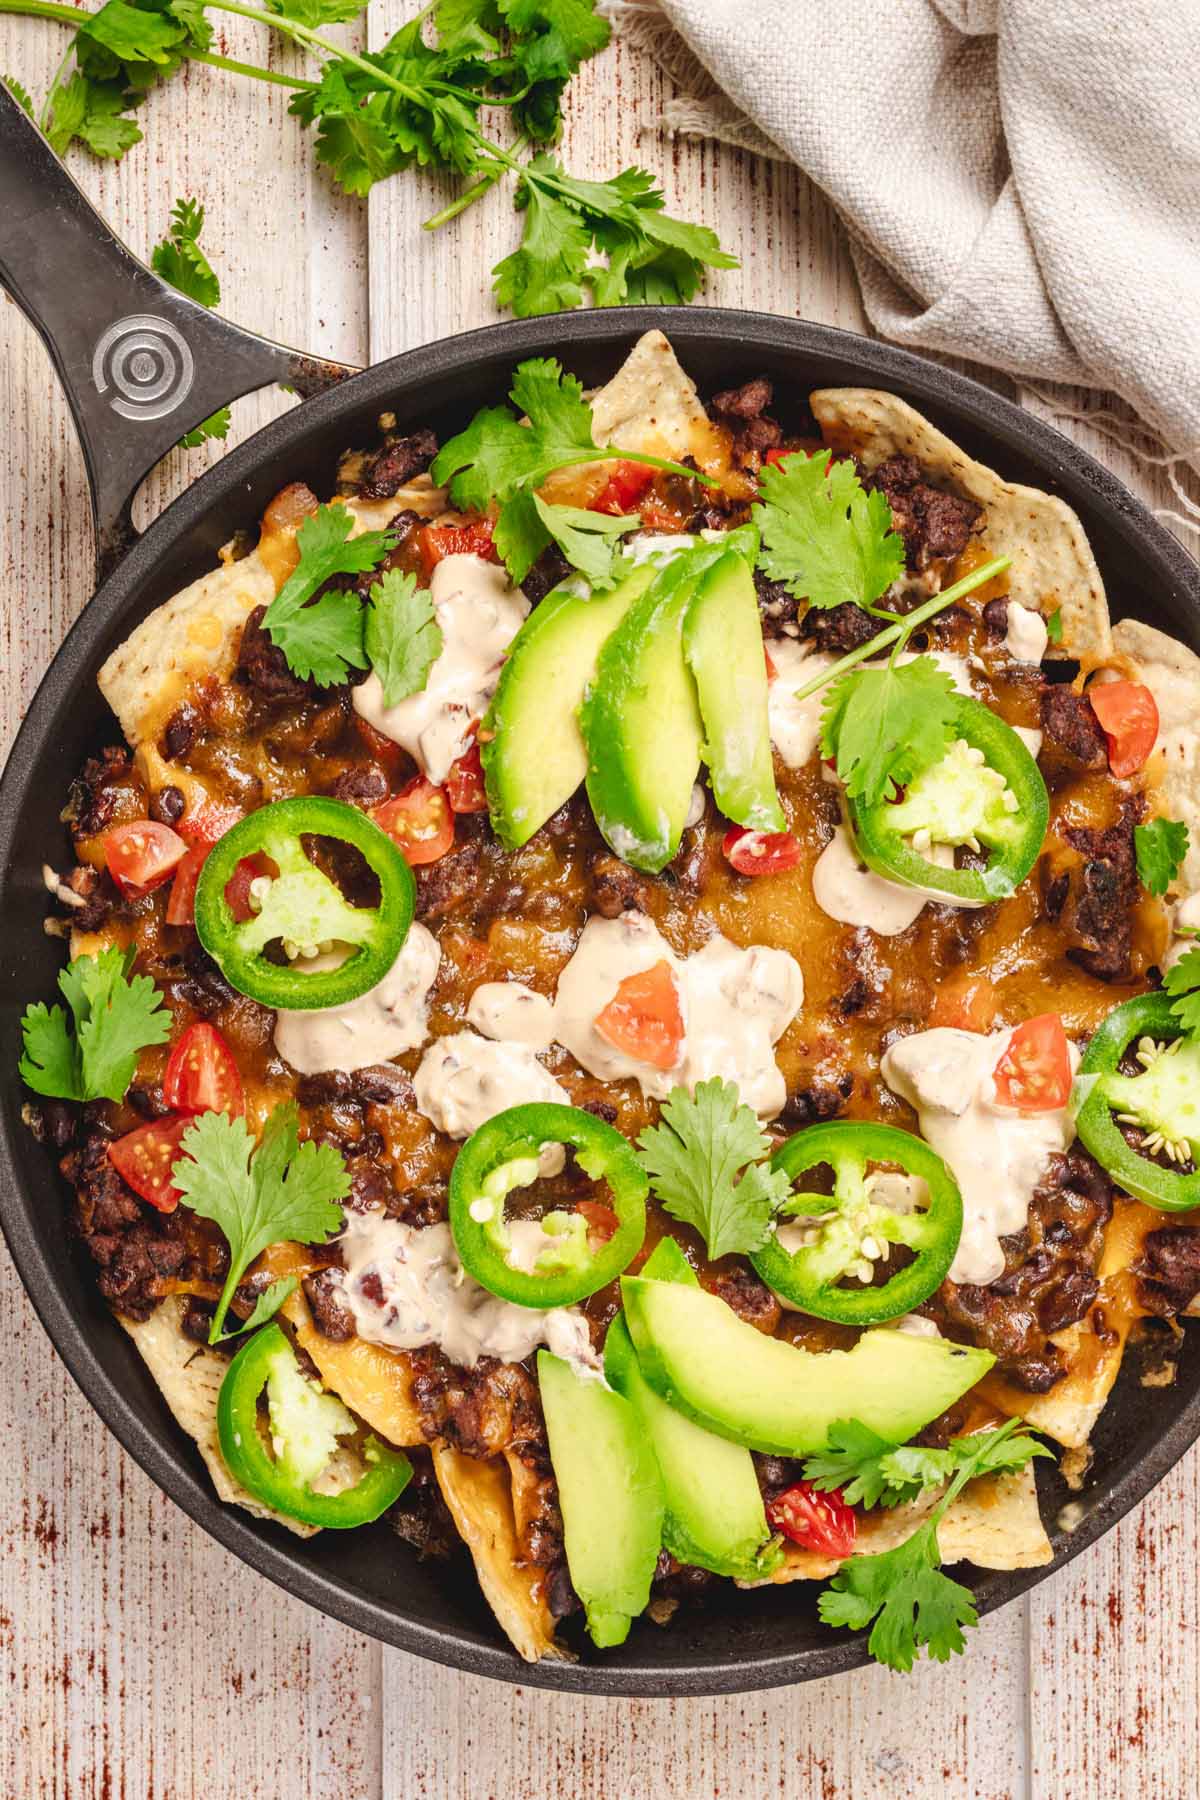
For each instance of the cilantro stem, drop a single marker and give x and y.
(899, 634)
(472, 194)
(610, 453)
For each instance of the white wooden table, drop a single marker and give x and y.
(138, 1660)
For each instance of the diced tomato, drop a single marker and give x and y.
(200, 830)
(658, 518)
(1129, 719)
(1034, 1074)
(438, 541)
(602, 1221)
(208, 823)
(237, 888)
(142, 855)
(145, 1157)
(464, 784)
(815, 1521)
(760, 852)
(202, 1075)
(643, 1017)
(419, 820)
(623, 489)
(772, 671)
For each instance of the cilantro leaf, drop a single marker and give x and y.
(115, 1018)
(546, 274)
(403, 637)
(552, 37)
(179, 259)
(694, 1157)
(851, 1464)
(133, 34)
(1161, 846)
(869, 1471)
(885, 725)
(1054, 626)
(19, 93)
(267, 1305)
(322, 639)
(259, 1196)
(215, 426)
(588, 539)
(1182, 982)
(93, 112)
(914, 1605)
(824, 536)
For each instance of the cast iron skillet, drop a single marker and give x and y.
(140, 366)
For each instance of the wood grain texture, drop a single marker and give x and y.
(139, 1660)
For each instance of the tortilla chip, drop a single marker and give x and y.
(1053, 568)
(1172, 673)
(1068, 1412)
(374, 1382)
(651, 405)
(994, 1523)
(189, 1376)
(192, 635)
(480, 1500)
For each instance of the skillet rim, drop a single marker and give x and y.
(877, 364)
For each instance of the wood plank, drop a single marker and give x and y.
(869, 1733)
(137, 1657)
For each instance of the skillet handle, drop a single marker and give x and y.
(141, 365)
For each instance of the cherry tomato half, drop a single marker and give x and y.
(202, 1075)
(438, 541)
(144, 1158)
(643, 1017)
(1034, 1074)
(464, 784)
(237, 888)
(1128, 717)
(419, 820)
(815, 1521)
(623, 489)
(141, 855)
(200, 830)
(760, 852)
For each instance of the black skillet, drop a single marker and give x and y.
(140, 366)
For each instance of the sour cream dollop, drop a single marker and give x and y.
(996, 1154)
(479, 613)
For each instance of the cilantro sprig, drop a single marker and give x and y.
(704, 1165)
(886, 725)
(113, 1017)
(280, 1190)
(1160, 846)
(403, 638)
(323, 638)
(179, 259)
(912, 1603)
(824, 536)
(414, 103)
(500, 459)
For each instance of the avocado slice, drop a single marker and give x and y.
(641, 723)
(714, 1516)
(723, 644)
(610, 1493)
(535, 758)
(699, 1356)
